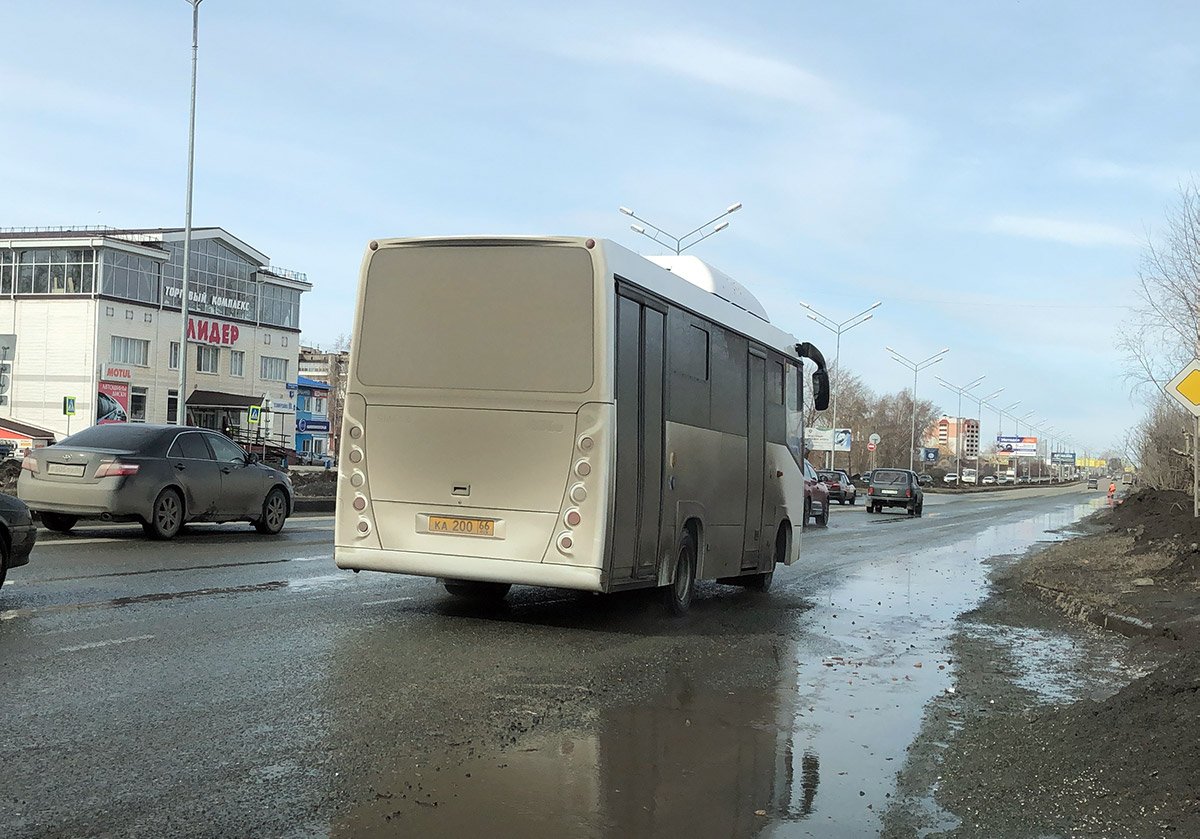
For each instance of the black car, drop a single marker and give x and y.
(17, 534)
(895, 488)
(841, 488)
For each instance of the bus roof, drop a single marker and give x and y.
(685, 280)
(705, 290)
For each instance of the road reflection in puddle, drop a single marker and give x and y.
(691, 763)
(809, 748)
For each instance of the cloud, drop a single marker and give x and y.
(1152, 177)
(1078, 233)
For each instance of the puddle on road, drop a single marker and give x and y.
(815, 754)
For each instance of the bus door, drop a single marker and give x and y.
(756, 458)
(640, 427)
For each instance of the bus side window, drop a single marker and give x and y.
(793, 406)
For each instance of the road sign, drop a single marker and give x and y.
(1185, 387)
(870, 447)
(875, 439)
(68, 406)
(253, 414)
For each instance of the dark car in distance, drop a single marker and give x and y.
(841, 488)
(17, 534)
(160, 475)
(895, 488)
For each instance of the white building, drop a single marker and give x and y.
(94, 314)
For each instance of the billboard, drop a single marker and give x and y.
(929, 455)
(1063, 457)
(1017, 446)
(820, 439)
(112, 402)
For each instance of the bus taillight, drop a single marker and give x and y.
(572, 518)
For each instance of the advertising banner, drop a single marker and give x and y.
(1017, 446)
(929, 455)
(112, 402)
(1063, 457)
(312, 426)
(820, 439)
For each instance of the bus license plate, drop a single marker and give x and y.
(462, 527)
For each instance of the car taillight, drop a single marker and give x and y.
(908, 493)
(870, 490)
(30, 464)
(116, 469)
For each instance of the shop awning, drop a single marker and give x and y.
(217, 399)
(13, 430)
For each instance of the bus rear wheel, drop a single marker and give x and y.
(678, 595)
(476, 591)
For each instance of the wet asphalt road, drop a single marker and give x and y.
(230, 684)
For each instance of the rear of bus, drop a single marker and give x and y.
(475, 442)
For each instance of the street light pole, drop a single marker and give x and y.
(837, 329)
(677, 241)
(916, 367)
(181, 397)
(958, 437)
(979, 446)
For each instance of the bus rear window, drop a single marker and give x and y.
(510, 318)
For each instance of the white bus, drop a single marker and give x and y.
(564, 412)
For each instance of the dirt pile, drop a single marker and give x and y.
(1129, 764)
(1160, 521)
(321, 484)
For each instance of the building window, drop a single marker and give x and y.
(266, 337)
(237, 363)
(108, 310)
(149, 318)
(130, 351)
(279, 306)
(137, 404)
(130, 276)
(208, 359)
(283, 341)
(50, 271)
(318, 404)
(222, 281)
(172, 406)
(173, 356)
(274, 369)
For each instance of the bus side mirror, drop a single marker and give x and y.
(820, 380)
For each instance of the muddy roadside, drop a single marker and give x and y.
(1057, 726)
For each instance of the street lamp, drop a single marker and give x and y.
(958, 423)
(837, 329)
(1001, 413)
(181, 398)
(979, 447)
(916, 367)
(676, 241)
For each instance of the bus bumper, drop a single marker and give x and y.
(447, 566)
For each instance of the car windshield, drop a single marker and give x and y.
(889, 477)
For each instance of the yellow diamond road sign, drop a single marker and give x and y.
(1185, 387)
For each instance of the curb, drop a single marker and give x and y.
(1074, 607)
(314, 505)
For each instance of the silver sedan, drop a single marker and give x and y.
(159, 475)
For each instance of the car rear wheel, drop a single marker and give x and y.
(59, 522)
(823, 519)
(274, 513)
(166, 516)
(678, 595)
(853, 498)
(807, 513)
(3, 561)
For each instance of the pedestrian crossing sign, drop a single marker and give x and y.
(255, 412)
(68, 406)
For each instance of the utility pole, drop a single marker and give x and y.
(181, 400)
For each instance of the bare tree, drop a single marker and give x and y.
(1163, 332)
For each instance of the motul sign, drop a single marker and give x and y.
(205, 331)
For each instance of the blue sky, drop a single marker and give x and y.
(990, 173)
